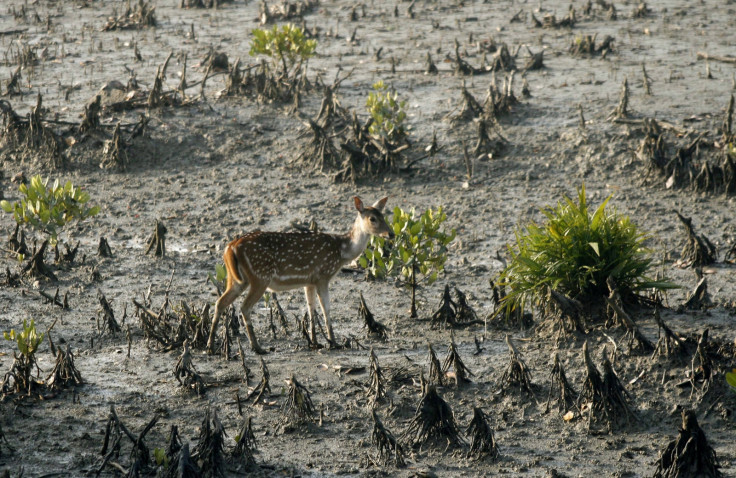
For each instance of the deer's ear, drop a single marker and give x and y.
(358, 204)
(380, 204)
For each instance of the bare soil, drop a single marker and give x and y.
(220, 166)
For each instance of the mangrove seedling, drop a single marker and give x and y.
(48, 209)
(419, 247)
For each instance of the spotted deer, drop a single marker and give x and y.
(278, 261)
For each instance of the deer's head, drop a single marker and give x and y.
(371, 218)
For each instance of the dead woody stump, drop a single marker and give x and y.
(698, 298)
(632, 335)
(436, 376)
(65, 373)
(106, 324)
(139, 15)
(698, 250)
(184, 369)
(157, 241)
(689, 455)
(454, 314)
(140, 456)
(263, 387)
(564, 314)
(561, 390)
(433, 420)
(388, 449)
(298, 408)
(245, 446)
(482, 441)
(517, 375)
(376, 381)
(670, 344)
(374, 328)
(103, 249)
(460, 372)
(36, 266)
(604, 397)
(209, 452)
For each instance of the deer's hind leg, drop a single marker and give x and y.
(323, 293)
(310, 293)
(255, 293)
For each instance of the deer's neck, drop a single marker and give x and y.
(355, 242)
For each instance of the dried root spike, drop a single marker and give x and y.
(517, 374)
(461, 372)
(433, 420)
(689, 454)
(482, 441)
(389, 449)
(375, 328)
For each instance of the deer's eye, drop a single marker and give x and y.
(373, 219)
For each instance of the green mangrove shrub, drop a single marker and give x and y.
(286, 45)
(574, 252)
(387, 112)
(27, 342)
(48, 209)
(418, 251)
